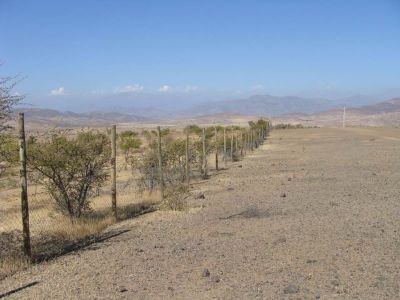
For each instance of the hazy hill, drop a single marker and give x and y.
(385, 113)
(48, 117)
(262, 105)
(269, 105)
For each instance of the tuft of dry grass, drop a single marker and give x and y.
(12, 264)
(176, 198)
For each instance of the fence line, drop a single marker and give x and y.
(241, 141)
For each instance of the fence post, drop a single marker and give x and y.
(231, 143)
(245, 142)
(204, 154)
(252, 139)
(236, 141)
(114, 171)
(224, 147)
(24, 186)
(216, 148)
(160, 166)
(187, 169)
(241, 142)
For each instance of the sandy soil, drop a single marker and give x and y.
(313, 214)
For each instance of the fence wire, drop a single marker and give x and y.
(53, 232)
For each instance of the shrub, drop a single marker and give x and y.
(288, 126)
(129, 143)
(8, 153)
(70, 169)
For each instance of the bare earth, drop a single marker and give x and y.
(313, 214)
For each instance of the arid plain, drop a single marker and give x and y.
(312, 214)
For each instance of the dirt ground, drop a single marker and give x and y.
(313, 214)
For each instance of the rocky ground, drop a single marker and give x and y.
(313, 214)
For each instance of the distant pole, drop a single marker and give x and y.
(114, 171)
(204, 155)
(344, 117)
(24, 187)
(216, 148)
(187, 173)
(160, 166)
(224, 147)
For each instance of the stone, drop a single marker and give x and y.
(291, 289)
(206, 273)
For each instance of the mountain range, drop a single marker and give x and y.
(285, 109)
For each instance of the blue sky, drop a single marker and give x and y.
(83, 54)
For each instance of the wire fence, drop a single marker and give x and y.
(153, 168)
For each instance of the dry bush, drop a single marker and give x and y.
(176, 198)
(71, 169)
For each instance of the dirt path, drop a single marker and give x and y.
(314, 214)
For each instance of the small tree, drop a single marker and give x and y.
(8, 153)
(8, 100)
(71, 168)
(129, 142)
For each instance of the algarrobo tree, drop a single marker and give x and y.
(8, 145)
(8, 100)
(129, 143)
(70, 169)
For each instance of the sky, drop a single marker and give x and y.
(89, 55)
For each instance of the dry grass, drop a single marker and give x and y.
(12, 264)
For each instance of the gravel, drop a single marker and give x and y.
(317, 243)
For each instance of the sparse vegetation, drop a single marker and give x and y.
(288, 126)
(70, 169)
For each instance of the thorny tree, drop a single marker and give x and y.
(72, 168)
(8, 100)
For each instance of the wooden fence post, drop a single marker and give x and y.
(236, 142)
(231, 143)
(241, 142)
(252, 139)
(187, 167)
(114, 171)
(224, 147)
(160, 166)
(245, 142)
(24, 187)
(216, 148)
(204, 154)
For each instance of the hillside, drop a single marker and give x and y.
(385, 113)
(37, 117)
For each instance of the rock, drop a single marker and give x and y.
(200, 195)
(215, 278)
(240, 166)
(289, 179)
(206, 273)
(123, 290)
(230, 188)
(311, 261)
(335, 282)
(291, 289)
(283, 195)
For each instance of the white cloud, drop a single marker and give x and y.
(190, 88)
(257, 87)
(164, 88)
(58, 91)
(132, 88)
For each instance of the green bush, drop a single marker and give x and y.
(70, 169)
